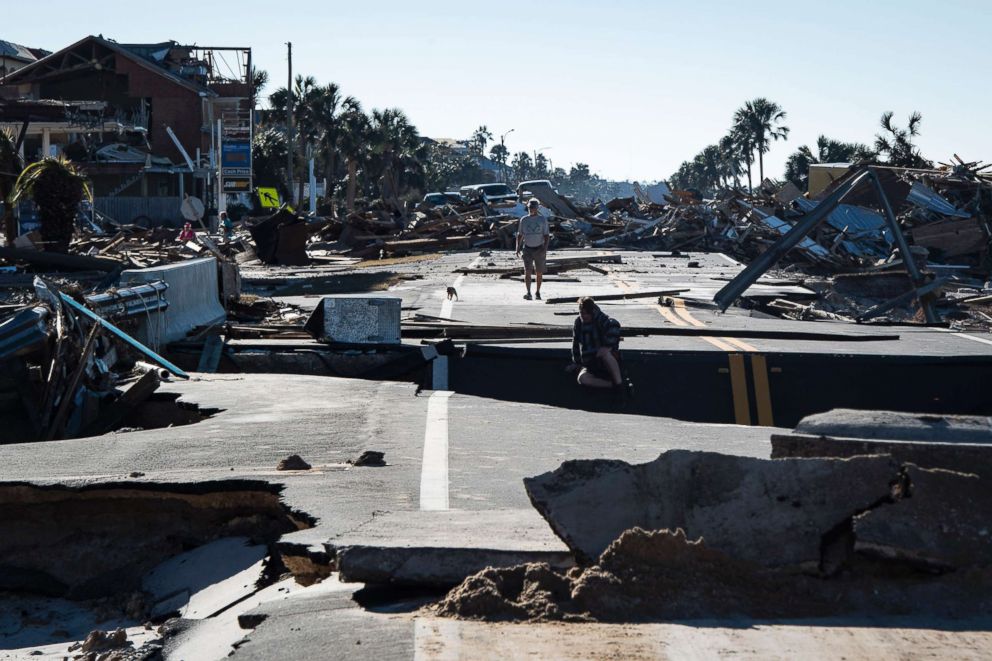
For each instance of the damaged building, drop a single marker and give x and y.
(142, 120)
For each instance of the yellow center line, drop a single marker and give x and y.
(683, 311)
(678, 314)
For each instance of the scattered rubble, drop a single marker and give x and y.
(698, 534)
(369, 458)
(293, 462)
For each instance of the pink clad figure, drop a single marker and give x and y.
(187, 233)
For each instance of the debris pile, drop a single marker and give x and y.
(698, 534)
(65, 362)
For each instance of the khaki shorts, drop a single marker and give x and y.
(534, 259)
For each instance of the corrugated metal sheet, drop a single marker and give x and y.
(923, 197)
(807, 244)
(160, 210)
(866, 229)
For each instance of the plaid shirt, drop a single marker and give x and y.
(587, 339)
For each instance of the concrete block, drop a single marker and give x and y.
(954, 442)
(942, 523)
(897, 426)
(965, 457)
(356, 320)
(442, 548)
(771, 512)
(193, 295)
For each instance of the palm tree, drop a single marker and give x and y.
(897, 144)
(760, 121)
(731, 157)
(744, 139)
(327, 103)
(500, 154)
(707, 164)
(353, 142)
(268, 158)
(766, 117)
(480, 138)
(397, 151)
(521, 165)
(10, 168)
(259, 79)
(307, 104)
(57, 187)
(827, 151)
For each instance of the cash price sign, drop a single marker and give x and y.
(235, 161)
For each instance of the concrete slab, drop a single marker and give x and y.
(193, 295)
(774, 513)
(442, 548)
(943, 524)
(207, 579)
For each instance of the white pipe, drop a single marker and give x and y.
(175, 141)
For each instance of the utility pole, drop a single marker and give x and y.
(502, 142)
(290, 141)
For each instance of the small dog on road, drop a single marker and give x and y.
(452, 294)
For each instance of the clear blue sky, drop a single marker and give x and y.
(631, 87)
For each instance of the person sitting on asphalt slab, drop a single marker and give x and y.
(533, 234)
(596, 349)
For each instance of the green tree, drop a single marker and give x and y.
(896, 144)
(480, 138)
(353, 140)
(744, 140)
(397, 152)
(731, 157)
(522, 166)
(10, 168)
(268, 154)
(827, 151)
(540, 167)
(57, 187)
(499, 153)
(757, 123)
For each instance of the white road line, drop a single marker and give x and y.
(434, 469)
(730, 259)
(436, 639)
(972, 337)
(448, 302)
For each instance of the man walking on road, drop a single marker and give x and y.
(533, 235)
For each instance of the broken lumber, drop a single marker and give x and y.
(133, 397)
(59, 260)
(620, 297)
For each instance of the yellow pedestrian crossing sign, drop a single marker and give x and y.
(268, 198)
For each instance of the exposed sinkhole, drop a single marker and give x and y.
(164, 409)
(99, 540)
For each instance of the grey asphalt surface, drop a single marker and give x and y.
(493, 445)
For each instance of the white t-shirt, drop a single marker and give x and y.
(533, 229)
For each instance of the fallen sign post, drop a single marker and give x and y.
(123, 336)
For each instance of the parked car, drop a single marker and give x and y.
(437, 199)
(489, 193)
(533, 185)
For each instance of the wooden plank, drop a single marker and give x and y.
(620, 297)
(59, 260)
(141, 390)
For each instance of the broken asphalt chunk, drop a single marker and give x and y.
(771, 512)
